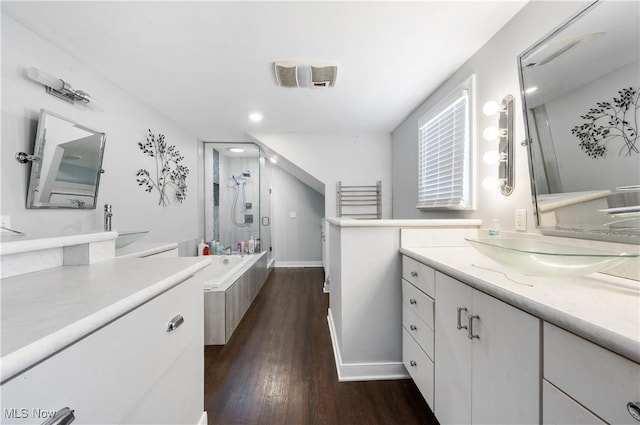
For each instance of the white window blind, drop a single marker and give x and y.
(444, 168)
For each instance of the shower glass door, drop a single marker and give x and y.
(233, 182)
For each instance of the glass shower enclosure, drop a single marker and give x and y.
(237, 196)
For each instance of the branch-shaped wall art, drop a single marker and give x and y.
(611, 121)
(170, 175)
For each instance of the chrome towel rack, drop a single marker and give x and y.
(360, 202)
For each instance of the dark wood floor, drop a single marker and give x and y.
(278, 368)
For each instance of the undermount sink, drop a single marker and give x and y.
(126, 238)
(535, 257)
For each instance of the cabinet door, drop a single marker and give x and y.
(506, 363)
(452, 399)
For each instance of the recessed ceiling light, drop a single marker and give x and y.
(531, 89)
(236, 150)
(255, 116)
(273, 160)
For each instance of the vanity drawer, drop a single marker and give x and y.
(418, 302)
(422, 333)
(422, 276)
(419, 366)
(595, 377)
(559, 408)
(102, 376)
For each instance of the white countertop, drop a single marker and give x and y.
(14, 244)
(350, 222)
(601, 308)
(43, 312)
(144, 249)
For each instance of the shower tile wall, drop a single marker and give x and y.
(230, 233)
(216, 195)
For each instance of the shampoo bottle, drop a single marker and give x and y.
(252, 245)
(201, 246)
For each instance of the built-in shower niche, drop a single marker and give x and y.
(232, 198)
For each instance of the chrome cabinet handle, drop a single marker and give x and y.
(63, 416)
(175, 323)
(634, 410)
(471, 335)
(460, 310)
(413, 301)
(413, 327)
(414, 274)
(413, 363)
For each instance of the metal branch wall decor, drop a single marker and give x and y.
(170, 175)
(610, 121)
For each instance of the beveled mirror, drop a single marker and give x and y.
(580, 89)
(66, 164)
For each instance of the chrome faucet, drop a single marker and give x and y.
(107, 217)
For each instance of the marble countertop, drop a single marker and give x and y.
(350, 222)
(43, 312)
(144, 249)
(601, 308)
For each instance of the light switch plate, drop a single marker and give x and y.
(292, 214)
(521, 220)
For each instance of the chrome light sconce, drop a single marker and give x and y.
(505, 154)
(60, 88)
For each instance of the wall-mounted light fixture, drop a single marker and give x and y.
(60, 88)
(504, 156)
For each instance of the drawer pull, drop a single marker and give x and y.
(460, 310)
(413, 363)
(175, 323)
(413, 327)
(471, 335)
(414, 274)
(634, 410)
(63, 416)
(413, 301)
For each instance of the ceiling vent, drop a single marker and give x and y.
(294, 74)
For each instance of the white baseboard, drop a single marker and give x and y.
(363, 371)
(203, 418)
(298, 264)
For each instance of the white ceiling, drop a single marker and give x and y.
(208, 64)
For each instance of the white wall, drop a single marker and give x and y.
(297, 241)
(496, 73)
(125, 121)
(354, 159)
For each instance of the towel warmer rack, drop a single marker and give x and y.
(360, 202)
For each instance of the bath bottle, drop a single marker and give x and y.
(494, 229)
(201, 246)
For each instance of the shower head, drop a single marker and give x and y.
(246, 174)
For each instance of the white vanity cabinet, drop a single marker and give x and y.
(133, 370)
(487, 358)
(586, 383)
(418, 324)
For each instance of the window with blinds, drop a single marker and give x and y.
(445, 153)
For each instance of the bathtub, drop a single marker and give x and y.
(224, 270)
(230, 284)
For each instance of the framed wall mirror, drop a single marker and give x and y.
(580, 90)
(66, 164)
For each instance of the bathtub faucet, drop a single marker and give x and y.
(107, 217)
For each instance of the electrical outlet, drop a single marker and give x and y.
(521, 220)
(5, 221)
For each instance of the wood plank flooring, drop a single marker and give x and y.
(278, 367)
